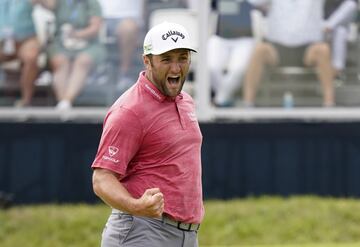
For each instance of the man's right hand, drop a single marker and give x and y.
(151, 203)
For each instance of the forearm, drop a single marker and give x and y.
(112, 192)
(108, 187)
(343, 15)
(49, 4)
(92, 30)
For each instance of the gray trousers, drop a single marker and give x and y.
(124, 230)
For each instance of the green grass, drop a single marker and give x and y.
(273, 221)
(256, 222)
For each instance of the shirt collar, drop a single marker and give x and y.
(151, 89)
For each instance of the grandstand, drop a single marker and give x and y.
(266, 149)
(101, 90)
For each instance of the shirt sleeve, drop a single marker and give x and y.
(343, 15)
(121, 138)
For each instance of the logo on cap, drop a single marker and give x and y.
(147, 48)
(172, 33)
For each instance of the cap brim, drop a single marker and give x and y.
(159, 52)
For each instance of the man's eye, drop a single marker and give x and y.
(183, 59)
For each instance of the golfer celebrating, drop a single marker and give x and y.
(148, 164)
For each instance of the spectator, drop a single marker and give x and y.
(19, 41)
(292, 27)
(230, 49)
(124, 20)
(339, 14)
(76, 48)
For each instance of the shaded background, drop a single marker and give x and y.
(50, 162)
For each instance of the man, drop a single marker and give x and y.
(18, 40)
(148, 165)
(294, 37)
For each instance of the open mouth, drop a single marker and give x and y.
(173, 80)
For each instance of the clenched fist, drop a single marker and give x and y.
(151, 203)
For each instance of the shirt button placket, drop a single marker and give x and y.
(181, 113)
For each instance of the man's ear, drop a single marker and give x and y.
(147, 62)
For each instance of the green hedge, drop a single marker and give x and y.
(265, 221)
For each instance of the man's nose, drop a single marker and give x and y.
(175, 67)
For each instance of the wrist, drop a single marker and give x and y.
(134, 206)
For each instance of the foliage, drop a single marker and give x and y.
(264, 221)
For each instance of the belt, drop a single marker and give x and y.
(180, 225)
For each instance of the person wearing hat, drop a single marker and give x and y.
(148, 164)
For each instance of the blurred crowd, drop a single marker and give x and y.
(72, 45)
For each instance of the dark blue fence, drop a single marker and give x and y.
(50, 162)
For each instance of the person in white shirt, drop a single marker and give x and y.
(232, 40)
(339, 15)
(124, 20)
(293, 27)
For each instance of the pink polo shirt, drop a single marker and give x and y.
(153, 141)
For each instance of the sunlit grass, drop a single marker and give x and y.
(256, 222)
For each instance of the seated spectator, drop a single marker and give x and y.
(293, 27)
(19, 41)
(76, 48)
(124, 20)
(230, 49)
(339, 14)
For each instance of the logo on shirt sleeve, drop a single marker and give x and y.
(111, 152)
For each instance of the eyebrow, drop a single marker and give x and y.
(169, 55)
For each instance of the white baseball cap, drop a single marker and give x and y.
(167, 36)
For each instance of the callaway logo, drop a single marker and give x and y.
(113, 150)
(172, 33)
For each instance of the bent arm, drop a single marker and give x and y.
(343, 15)
(49, 4)
(106, 186)
(92, 30)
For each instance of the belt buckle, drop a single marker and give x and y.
(183, 226)
(180, 225)
(187, 226)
